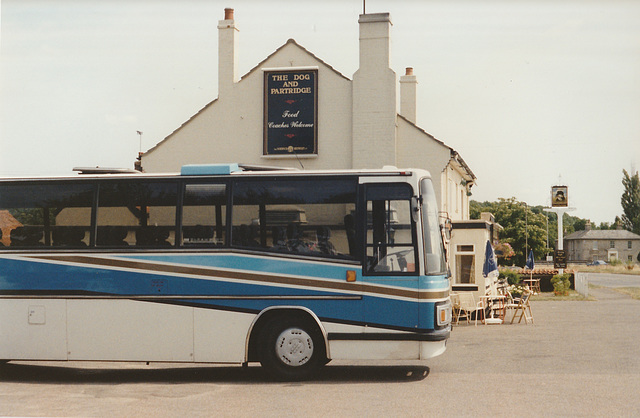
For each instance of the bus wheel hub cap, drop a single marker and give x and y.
(294, 347)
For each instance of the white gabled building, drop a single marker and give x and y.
(351, 123)
(357, 121)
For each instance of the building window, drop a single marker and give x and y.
(629, 258)
(595, 246)
(465, 268)
(612, 244)
(465, 264)
(629, 246)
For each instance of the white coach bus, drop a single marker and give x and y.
(223, 264)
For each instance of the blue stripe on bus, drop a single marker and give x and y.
(258, 264)
(22, 275)
(290, 267)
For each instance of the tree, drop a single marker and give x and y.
(522, 226)
(630, 202)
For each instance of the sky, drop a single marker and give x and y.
(530, 93)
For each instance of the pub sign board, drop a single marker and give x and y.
(290, 112)
(560, 259)
(559, 196)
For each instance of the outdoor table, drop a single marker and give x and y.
(498, 300)
(533, 284)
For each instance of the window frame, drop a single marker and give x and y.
(364, 227)
(103, 183)
(460, 251)
(348, 181)
(184, 183)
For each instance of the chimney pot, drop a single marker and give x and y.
(409, 71)
(227, 58)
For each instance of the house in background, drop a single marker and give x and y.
(606, 244)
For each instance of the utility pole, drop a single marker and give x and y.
(547, 251)
(526, 229)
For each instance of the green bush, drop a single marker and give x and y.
(511, 276)
(561, 284)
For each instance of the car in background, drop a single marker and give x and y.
(597, 263)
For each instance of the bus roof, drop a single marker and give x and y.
(227, 169)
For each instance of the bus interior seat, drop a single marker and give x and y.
(113, 236)
(245, 236)
(196, 234)
(152, 236)
(68, 236)
(25, 236)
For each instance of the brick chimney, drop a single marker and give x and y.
(408, 88)
(587, 225)
(374, 96)
(227, 57)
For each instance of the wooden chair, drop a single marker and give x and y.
(455, 306)
(533, 285)
(523, 306)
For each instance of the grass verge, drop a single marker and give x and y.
(617, 269)
(634, 292)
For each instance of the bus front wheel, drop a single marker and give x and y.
(291, 349)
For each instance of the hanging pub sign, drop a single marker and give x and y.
(559, 196)
(290, 112)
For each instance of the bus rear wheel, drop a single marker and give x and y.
(291, 349)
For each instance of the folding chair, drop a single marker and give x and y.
(455, 306)
(523, 306)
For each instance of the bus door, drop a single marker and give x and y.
(390, 267)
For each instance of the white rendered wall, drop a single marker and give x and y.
(230, 129)
(417, 149)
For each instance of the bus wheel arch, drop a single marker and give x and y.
(297, 326)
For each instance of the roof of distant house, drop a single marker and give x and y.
(610, 234)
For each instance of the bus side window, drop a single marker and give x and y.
(204, 212)
(295, 216)
(31, 215)
(137, 213)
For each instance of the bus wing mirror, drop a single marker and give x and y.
(446, 228)
(415, 208)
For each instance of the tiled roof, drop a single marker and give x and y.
(609, 234)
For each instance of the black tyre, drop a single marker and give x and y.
(291, 348)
